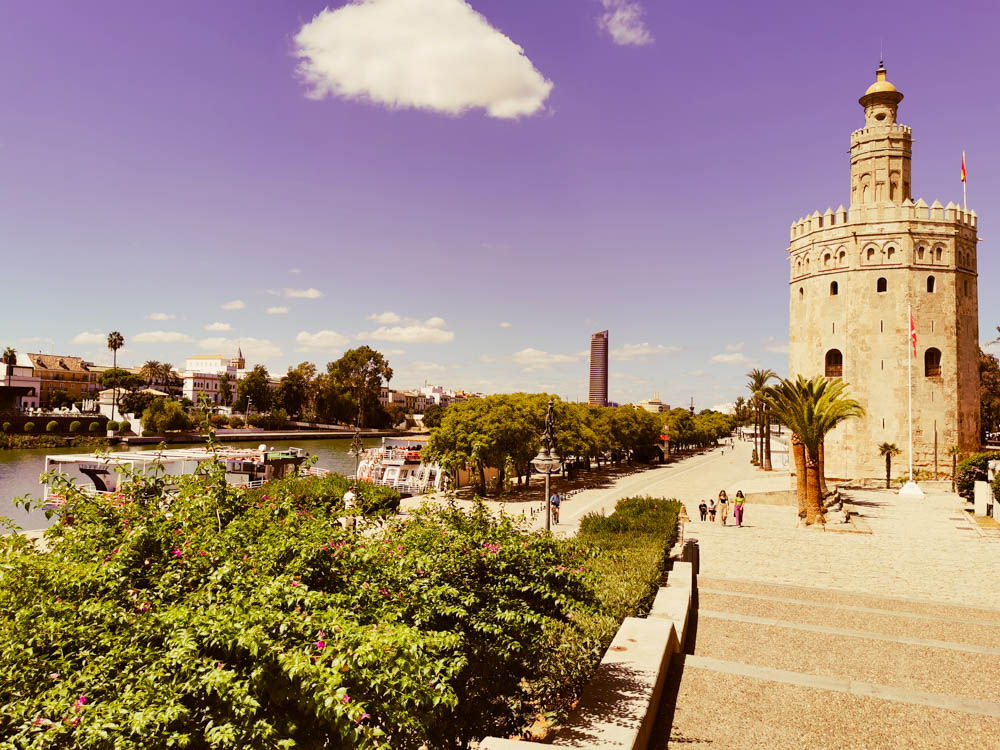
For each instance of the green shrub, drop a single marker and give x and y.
(218, 420)
(7, 426)
(236, 422)
(75, 426)
(125, 427)
(94, 427)
(970, 470)
(274, 420)
(165, 415)
(112, 425)
(52, 426)
(29, 426)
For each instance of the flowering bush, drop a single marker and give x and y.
(217, 617)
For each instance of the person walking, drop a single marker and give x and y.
(711, 510)
(703, 510)
(723, 507)
(738, 503)
(555, 501)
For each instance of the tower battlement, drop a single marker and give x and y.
(881, 130)
(885, 212)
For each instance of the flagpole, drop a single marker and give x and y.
(965, 202)
(909, 383)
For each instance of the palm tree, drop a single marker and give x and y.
(810, 409)
(757, 385)
(954, 451)
(888, 450)
(10, 359)
(151, 371)
(166, 375)
(115, 342)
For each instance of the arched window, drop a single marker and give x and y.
(937, 254)
(826, 260)
(802, 293)
(890, 253)
(871, 254)
(932, 362)
(920, 253)
(842, 258)
(834, 364)
(881, 285)
(833, 289)
(930, 284)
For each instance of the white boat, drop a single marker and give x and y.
(397, 463)
(247, 467)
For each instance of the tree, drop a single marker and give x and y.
(292, 392)
(136, 402)
(59, 398)
(433, 414)
(10, 359)
(361, 373)
(120, 378)
(888, 450)
(226, 389)
(989, 392)
(152, 370)
(811, 408)
(253, 390)
(165, 414)
(762, 425)
(115, 342)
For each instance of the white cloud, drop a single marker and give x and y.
(731, 358)
(727, 408)
(695, 373)
(410, 334)
(277, 310)
(439, 55)
(90, 337)
(393, 352)
(638, 351)
(738, 347)
(253, 349)
(236, 304)
(309, 293)
(161, 337)
(488, 358)
(622, 19)
(294, 271)
(505, 324)
(321, 341)
(218, 327)
(427, 367)
(160, 316)
(535, 359)
(773, 345)
(434, 322)
(385, 318)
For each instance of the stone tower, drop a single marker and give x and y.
(853, 273)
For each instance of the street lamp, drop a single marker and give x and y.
(547, 458)
(357, 448)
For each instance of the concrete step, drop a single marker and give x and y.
(944, 610)
(896, 623)
(935, 670)
(727, 706)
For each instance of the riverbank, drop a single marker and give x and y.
(244, 435)
(28, 442)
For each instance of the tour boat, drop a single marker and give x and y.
(247, 467)
(397, 463)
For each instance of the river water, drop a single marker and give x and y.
(20, 469)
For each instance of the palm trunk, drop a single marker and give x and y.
(756, 430)
(814, 501)
(822, 470)
(114, 396)
(799, 456)
(888, 469)
(954, 461)
(767, 438)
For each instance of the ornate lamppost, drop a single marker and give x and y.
(547, 459)
(357, 449)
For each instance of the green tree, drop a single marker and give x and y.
(10, 359)
(59, 398)
(433, 414)
(136, 402)
(811, 408)
(292, 392)
(115, 342)
(152, 371)
(163, 415)
(360, 374)
(989, 392)
(888, 450)
(226, 389)
(762, 423)
(120, 379)
(253, 390)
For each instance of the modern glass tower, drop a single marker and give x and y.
(599, 369)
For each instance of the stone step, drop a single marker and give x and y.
(849, 617)
(948, 610)
(902, 665)
(727, 706)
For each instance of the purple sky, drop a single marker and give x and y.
(166, 158)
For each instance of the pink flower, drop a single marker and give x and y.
(346, 699)
(54, 676)
(363, 717)
(320, 645)
(295, 583)
(80, 703)
(177, 552)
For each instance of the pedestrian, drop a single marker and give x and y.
(723, 507)
(555, 501)
(703, 510)
(738, 502)
(711, 510)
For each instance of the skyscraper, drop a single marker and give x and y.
(599, 369)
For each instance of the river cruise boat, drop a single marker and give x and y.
(397, 463)
(247, 467)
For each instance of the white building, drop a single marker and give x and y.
(25, 386)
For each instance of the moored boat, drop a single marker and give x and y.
(398, 463)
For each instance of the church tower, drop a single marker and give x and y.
(854, 271)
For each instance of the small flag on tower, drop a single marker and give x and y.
(913, 334)
(963, 166)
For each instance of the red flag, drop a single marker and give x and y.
(913, 334)
(963, 166)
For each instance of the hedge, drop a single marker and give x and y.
(75, 425)
(52, 426)
(125, 427)
(113, 425)
(29, 426)
(971, 469)
(7, 426)
(94, 427)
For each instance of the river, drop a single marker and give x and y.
(20, 469)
